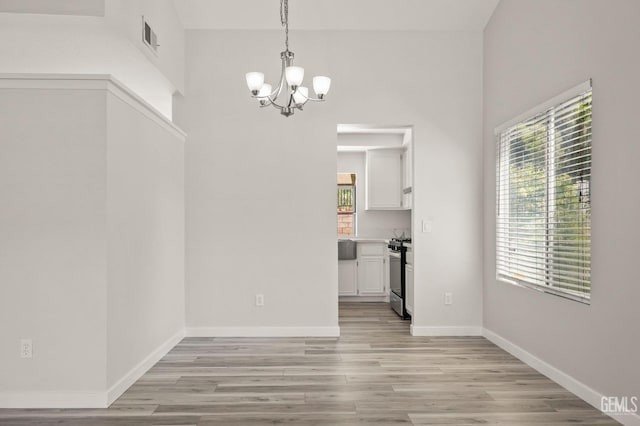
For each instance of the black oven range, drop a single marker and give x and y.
(397, 280)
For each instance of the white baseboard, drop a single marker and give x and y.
(53, 399)
(445, 331)
(583, 391)
(263, 331)
(364, 299)
(138, 371)
(88, 399)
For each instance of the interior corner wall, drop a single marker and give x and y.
(534, 50)
(53, 268)
(145, 228)
(92, 247)
(260, 188)
(126, 17)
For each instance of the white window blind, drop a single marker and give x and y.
(543, 229)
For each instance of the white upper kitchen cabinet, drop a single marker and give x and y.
(407, 178)
(384, 179)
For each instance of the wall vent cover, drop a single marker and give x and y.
(149, 36)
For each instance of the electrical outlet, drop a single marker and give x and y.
(259, 300)
(426, 226)
(448, 298)
(26, 348)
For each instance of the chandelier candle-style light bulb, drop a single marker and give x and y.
(290, 85)
(295, 75)
(255, 80)
(263, 94)
(301, 95)
(321, 85)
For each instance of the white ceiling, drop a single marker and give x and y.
(390, 15)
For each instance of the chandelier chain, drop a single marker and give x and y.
(284, 19)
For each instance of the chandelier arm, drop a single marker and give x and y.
(282, 79)
(277, 92)
(274, 103)
(274, 95)
(309, 98)
(270, 97)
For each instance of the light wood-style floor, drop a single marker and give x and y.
(375, 373)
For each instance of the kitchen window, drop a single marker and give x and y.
(346, 220)
(543, 229)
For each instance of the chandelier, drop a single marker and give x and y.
(295, 95)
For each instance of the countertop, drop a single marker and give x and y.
(367, 240)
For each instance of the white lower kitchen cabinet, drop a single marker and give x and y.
(367, 276)
(408, 274)
(347, 278)
(371, 276)
(371, 269)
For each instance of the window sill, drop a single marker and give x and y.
(565, 295)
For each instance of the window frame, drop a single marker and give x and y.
(550, 285)
(353, 213)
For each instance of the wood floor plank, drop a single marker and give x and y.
(375, 373)
(511, 419)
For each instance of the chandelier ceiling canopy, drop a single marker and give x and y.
(290, 88)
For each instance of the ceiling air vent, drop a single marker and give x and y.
(149, 36)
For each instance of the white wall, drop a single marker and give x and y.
(54, 7)
(534, 50)
(372, 223)
(145, 228)
(33, 43)
(92, 240)
(52, 241)
(126, 17)
(370, 139)
(248, 169)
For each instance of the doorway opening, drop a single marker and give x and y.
(374, 206)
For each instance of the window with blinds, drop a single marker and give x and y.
(543, 229)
